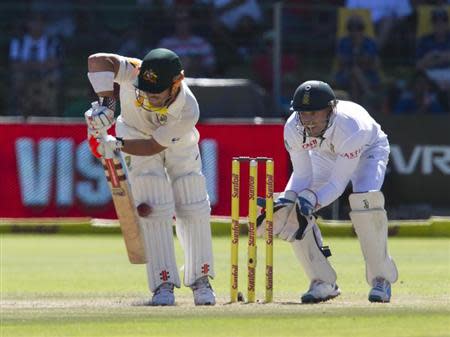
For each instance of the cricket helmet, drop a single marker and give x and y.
(312, 96)
(158, 69)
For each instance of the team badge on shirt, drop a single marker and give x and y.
(128, 162)
(162, 118)
(332, 148)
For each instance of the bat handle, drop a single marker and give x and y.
(109, 153)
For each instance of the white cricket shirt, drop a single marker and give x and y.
(175, 126)
(352, 135)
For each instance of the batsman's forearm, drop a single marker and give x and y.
(142, 147)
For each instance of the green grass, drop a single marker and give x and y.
(80, 285)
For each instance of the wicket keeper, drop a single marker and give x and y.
(332, 142)
(158, 141)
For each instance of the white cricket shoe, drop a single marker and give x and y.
(381, 291)
(203, 292)
(163, 295)
(320, 291)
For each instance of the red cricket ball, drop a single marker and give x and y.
(144, 210)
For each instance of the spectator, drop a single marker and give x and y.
(131, 42)
(35, 70)
(262, 67)
(235, 28)
(420, 96)
(317, 18)
(386, 15)
(60, 19)
(416, 3)
(238, 16)
(358, 62)
(433, 50)
(196, 54)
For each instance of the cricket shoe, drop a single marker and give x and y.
(163, 295)
(203, 292)
(381, 291)
(320, 291)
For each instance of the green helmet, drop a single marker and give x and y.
(158, 69)
(312, 96)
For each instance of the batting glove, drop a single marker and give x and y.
(99, 119)
(106, 146)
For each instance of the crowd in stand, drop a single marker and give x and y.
(391, 56)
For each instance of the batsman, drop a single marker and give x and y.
(332, 142)
(158, 142)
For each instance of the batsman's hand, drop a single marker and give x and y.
(105, 147)
(99, 119)
(282, 207)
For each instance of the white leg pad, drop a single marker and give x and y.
(193, 226)
(371, 225)
(160, 250)
(157, 229)
(308, 251)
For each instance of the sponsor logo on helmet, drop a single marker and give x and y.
(150, 76)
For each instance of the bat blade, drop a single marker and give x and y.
(125, 209)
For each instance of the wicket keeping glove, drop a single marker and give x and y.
(99, 119)
(307, 201)
(282, 206)
(106, 146)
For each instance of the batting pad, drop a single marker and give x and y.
(157, 229)
(309, 252)
(157, 193)
(193, 226)
(371, 225)
(159, 245)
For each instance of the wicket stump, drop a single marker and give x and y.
(252, 216)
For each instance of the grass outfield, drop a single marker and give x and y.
(81, 285)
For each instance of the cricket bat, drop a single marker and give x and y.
(125, 209)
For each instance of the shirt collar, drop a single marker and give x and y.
(175, 108)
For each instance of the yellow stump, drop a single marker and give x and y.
(235, 181)
(252, 214)
(269, 229)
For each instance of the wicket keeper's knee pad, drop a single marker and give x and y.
(312, 256)
(371, 225)
(193, 226)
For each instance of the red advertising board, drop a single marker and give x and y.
(48, 171)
